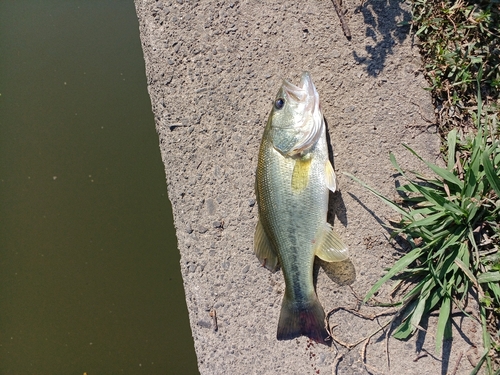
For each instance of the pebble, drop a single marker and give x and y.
(219, 304)
(321, 358)
(211, 206)
(204, 323)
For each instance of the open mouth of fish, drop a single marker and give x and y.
(312, 123)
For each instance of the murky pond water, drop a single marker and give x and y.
(89, 269)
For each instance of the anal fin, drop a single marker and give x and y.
(330, 246)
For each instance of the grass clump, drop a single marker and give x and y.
(452, 223)
(458, 39)
(451, 220)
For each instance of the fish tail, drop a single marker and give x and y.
(297, 320)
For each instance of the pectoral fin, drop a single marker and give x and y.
(330, 177)
(264, 249)
(330, 246)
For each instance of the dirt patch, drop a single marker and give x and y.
(213, 70)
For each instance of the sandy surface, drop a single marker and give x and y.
(213, 70)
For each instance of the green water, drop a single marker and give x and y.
(89, 269)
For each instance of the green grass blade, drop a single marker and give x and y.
(495, 289)
(480, 363)
(422, 305)
(491, 175)
(473, 174)
(443, 326)
(395, 164)
(440, 201)
(428, 220)
(489, 277)
(404, 330)
(452, 142)
(467, 271)
(442, 172)
(471, 181)
(478, 97)
(416, 317)
(399, 266)
(415, 291)
(486, 336)
(390, 203)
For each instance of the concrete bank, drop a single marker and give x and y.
(213, 69)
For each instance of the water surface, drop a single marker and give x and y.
(89, 268)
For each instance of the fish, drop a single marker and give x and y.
(293, 179)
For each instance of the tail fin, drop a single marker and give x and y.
(308, 320)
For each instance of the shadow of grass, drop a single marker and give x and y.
(386, 25)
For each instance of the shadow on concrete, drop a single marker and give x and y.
(336, 205)
(341, 273)
(337, 208)
(378, 219)
(386, 24)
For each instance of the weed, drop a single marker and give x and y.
(452, 223)
(458, 39)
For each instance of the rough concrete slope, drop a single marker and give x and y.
(213, 69)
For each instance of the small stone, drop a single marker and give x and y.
(204, 323)
(321, 358)
(211, 206)
(433, 129)
(246, 268)
(251, 202)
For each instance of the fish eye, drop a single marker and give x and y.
(279, 103)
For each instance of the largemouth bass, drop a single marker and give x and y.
(293, 178)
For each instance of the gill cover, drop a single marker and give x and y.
(296, 118)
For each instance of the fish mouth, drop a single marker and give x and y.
(306, 90)
(311, 124)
